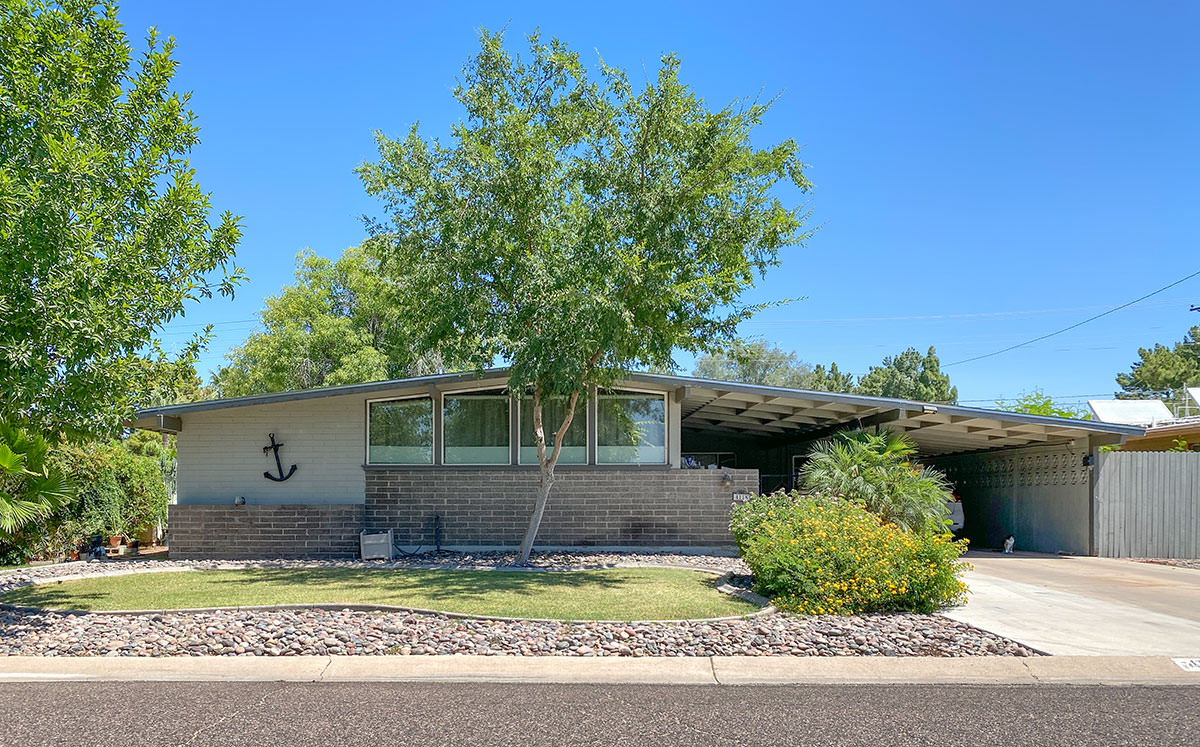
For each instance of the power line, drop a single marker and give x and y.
(928, 317)
(1073, 326)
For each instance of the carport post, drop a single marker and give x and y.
(1093, 457)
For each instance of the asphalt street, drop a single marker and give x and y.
(302, 714)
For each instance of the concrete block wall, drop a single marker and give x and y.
(1039, 494)
(608, 506)
(279, 531)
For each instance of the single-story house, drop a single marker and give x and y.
(652, 463)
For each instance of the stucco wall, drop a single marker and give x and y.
(221, 453)
(1041, 495)
(588, 506)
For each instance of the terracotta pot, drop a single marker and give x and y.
(115, 540)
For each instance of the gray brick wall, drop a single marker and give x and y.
(280, 531)
(588, 506)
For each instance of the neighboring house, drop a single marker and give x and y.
(655, 462)
(1165, 431)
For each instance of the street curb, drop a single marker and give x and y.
(717, 670)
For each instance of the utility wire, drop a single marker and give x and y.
(1073, 326)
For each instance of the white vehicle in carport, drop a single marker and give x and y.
(955, 514)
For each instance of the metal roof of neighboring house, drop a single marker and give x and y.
(1130, 411)
(762, 411)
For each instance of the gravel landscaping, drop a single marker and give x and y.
(347, 632)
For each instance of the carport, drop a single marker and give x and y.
(1028, 475)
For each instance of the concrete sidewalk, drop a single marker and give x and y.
(719, 670)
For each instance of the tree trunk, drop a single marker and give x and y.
(545, 482)
(546, 464)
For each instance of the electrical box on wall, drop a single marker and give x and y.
(376, 545)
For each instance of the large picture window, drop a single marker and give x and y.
(574, 450)
(400, 431)
(632, 428)
(475, 429)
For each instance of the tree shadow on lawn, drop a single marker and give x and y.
(436, 584)
(453, 590)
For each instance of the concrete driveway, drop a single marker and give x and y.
(1076, 606)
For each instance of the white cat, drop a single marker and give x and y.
(1009, 541)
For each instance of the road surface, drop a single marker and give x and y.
(303, 714)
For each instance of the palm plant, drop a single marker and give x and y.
(875, 469)
(30, 488)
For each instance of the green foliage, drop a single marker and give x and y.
(875, 470)
(338, 324)
(830, 380)
(31, 487)
(104, 232)
(576, 227)
(905, 376)
(815, 554)
(909, 376)
(760, 362)
(1162, 372)
(117, 491)
(1036, 402)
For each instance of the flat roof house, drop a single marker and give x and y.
(653, 463)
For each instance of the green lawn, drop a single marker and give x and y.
(611, 594)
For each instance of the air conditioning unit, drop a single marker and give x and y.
(376, 545)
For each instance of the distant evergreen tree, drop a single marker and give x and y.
(909, 376)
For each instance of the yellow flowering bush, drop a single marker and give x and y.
(821, 555)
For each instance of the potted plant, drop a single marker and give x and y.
(116, 525)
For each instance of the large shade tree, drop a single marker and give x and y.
(104, 232)
(575, 227)
(339, 323)
(760, 362)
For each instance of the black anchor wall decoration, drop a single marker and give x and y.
(278, 464)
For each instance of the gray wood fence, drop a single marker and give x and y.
(1148, 504)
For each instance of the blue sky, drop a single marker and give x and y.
(985, 173)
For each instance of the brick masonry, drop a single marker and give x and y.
(607, 506)
(249, 531)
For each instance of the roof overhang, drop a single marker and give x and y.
(774, 414)
(781, 415)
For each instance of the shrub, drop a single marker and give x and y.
(815, 554)
(116, 492)
(875, 470)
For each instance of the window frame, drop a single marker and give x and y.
(433, 431)
(581, 409)
(441, 413)
(666, 460)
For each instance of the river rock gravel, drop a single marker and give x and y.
(345, 632)
(322, 632)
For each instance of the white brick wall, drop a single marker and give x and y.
(221, 457)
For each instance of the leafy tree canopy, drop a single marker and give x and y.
(339, 323)
(1036, 402)
(576, 227)
(760, 362)
(906, 376)
(755, 362)
(1162, 372)
(909, 376)
(104, 231)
